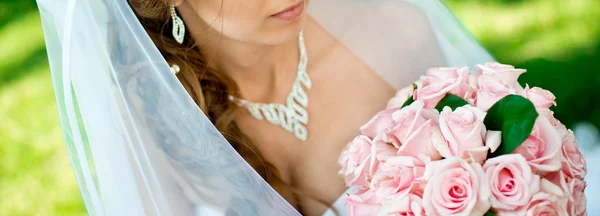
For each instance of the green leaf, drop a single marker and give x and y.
(451, 101)
(515, 116)
(415, 87)
(489, 213)
(408, 102)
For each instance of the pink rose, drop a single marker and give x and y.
(473, 80)
(404, 205)
(455, 187)
(381, 122)
(493, 139)
(573, 162)
(361, 158)
(542, 100)
(463, 130)
(418, 187)
(576, 204)
(416, 131)
(505, 74)
(549, 201)
(446, 74)
(363, 202)
(491, 91)
(542, 204)
(396, 176)
(559, 180)
(511, 181)
(401, 97)
(343, 159)
(452, 75)
(542, 148)
(433, 93)
(553, 121)
(356, 160)
(440, 81)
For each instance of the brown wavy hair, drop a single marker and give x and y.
(209, 88)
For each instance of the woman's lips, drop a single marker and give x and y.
(291, 13)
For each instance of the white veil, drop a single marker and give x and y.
(139, 144)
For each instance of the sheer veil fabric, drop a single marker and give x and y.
(139, 144)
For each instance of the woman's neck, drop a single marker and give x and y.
(251, 64)
(260, 71)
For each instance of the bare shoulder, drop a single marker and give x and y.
(404, 23)
(379, 13)
(405, 33)
(393, 24)
(393, 37)
(399, 13)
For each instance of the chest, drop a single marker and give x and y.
(344, 95)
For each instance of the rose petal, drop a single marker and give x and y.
(475, 155)
(380, 122)
(493, 140)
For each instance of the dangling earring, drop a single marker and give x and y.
(178, 26)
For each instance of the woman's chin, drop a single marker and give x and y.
(283, 32)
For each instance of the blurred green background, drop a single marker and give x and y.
(558, 41)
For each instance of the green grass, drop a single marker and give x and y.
(518, 32)
(558, 41)
(35, 175)
(21, 41)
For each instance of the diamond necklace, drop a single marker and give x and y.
(292, 117)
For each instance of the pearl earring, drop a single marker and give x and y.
(178, 26)
(175, 69)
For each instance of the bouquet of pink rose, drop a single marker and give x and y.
(457, 143)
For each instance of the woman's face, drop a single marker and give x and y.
(250, 21)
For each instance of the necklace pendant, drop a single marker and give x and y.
(300, 132)
(255, 111)
(285, 119)
(292, 117)
(270, 113)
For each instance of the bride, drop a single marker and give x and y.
(165, 103)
